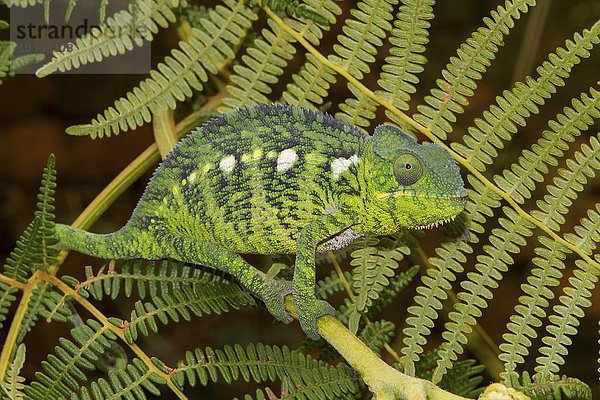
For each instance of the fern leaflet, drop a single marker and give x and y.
(185, 70)
(460, 77)
(408, 38)
(14, 383)
(117, 35)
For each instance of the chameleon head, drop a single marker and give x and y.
(418, 185)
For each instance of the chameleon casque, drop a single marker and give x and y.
(277, 179)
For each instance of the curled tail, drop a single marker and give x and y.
(121, 244)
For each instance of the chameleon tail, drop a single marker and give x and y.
(117, 245)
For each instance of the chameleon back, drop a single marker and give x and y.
(250, 180)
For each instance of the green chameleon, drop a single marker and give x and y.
(277, 179)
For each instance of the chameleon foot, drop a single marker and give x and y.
(308, 312)
(274, 299)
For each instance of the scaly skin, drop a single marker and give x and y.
(275, 179)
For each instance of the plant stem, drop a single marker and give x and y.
(15, 326)
(165, 135)
(120, 332)
(385, 382)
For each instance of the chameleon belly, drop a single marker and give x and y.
(251, 180)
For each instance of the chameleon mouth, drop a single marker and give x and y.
(460, 195)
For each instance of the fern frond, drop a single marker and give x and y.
(13, 383)
(567, 185)
(264, 63)
(261, 363)
(331, 285)
(409, 37)
(548, 271)
(390, 292)
(478, 286)
(117, 35)
(531, 307)
(372, 268)
(45, 212)
(564, 321)
(464, 379)
(24, 255)
(6, 51)
(294, 8)
(205, 298)
(45, 302)
(310, 85)
(521, 179)
(557, 388)
(473, 57)
(357, 49)
(378, 334)
(150, 279)
(500, 122)
(63, 371)
(182, 72)
(130, 383)
(7, 297)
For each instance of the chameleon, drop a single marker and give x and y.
(279, 179)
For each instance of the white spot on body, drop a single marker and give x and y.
(341, 164)
(192, 177)
(227, 163)
(286, 159)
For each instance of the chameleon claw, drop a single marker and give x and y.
(274, 300)
(308, 313)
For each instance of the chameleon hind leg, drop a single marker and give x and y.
(271, 291)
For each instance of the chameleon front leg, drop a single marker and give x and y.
(309, 307)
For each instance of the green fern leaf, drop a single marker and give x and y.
(567, 314)
(7, 297)
(520, 180)
(357, 49)
(564, 190)
(45, 212)
(261, 363)
(557, 388)
(13, 384)
(460, 77)
(150, 279)
(174, 80)
(294, 8)
(377, 334)
(206, 298)
(63, 371)
(408, 38)
(130, 383)
(264, 63)
(6, 51)
(331, 285)
(500, 122)
(119, 34)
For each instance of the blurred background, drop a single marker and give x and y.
(35, 112)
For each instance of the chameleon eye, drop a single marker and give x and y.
(408, 168)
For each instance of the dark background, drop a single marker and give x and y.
(35, 112)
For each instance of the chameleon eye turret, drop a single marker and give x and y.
(408, 168)
(276, 179)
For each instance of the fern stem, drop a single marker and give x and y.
(385, 382)
(15, 326)
(165, 136)
(427, 132)
(12, 282)
(120, 332)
